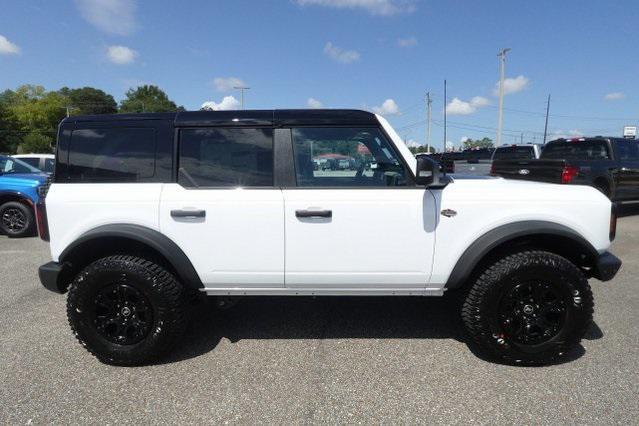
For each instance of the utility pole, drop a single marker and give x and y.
(502, 72)
(429, 101)
(546, 125)
(445, 104)
(241, 89)
(521, 138)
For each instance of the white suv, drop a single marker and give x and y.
(145, 210)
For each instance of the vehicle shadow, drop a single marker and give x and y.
(327, 318)
(628, 210)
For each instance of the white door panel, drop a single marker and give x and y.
(374, 238)
(239, 242)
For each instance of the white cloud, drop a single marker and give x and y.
(8, 48)
(412, 143)
(388, 107)
(121, 55)
(512, 85)
(614, 96)
(314, 103)
(341, 55)
(374, 7)
(459, 107)
(407, 42)
(226, 84)
(111, 16)
(228, 103)
(479, 101)
(463, 139)
(560, 134)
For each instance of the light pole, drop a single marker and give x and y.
(241, 89)
(502, 66)
(429, 101)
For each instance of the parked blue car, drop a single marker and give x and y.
(19, 183)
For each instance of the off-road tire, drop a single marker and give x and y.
(164, 295)
(481, 312)
(13, 207)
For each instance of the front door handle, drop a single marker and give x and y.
(188, 213)
(313, 213)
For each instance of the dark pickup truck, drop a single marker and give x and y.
(608, 164)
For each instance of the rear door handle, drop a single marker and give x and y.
(313, 213)
(188, 213)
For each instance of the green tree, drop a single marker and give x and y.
(35, 109)
(36, 143)
(28, 109)
(88, 100)
(147, 98)
(478, 143)
(421, 148)
(9, 130)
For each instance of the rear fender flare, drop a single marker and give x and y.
(155, 240)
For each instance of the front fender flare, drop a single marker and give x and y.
(502, 234)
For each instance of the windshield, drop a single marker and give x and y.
(13, 165)
(514, 153)
(593, 149)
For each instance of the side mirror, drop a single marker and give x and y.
(427, 171)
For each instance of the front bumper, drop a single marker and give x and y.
(53, 276)
(606, 266)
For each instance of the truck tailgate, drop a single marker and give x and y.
(537, 170)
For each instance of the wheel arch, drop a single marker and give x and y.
(139, 240)
(8, 196)
(541, 235)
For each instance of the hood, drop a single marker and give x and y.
(488, 188)
(30, 179)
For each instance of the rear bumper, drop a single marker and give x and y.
(53, 277)
(606, 267)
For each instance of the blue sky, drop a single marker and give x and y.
(382, 55)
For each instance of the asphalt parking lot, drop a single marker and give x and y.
(300, 360)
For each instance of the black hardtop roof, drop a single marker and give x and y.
(244, 117)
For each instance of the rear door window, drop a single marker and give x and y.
(628, 150)
(221, 157)
(112, 155)
(514, 153)
(596, 149)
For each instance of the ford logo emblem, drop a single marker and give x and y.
(524, 172)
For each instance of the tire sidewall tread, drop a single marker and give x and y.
(165, 294)
(480, 307)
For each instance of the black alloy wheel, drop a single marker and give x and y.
(532, 313)
(123, 315)
(14, 220)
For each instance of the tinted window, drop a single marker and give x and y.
(13, 165)
(112, 155)
(514, 153)
(345, 157)
(628, 150)
(226, 157)
(49, 163)
(34, 162)
(596, 149)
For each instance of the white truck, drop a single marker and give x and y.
(145, 210)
